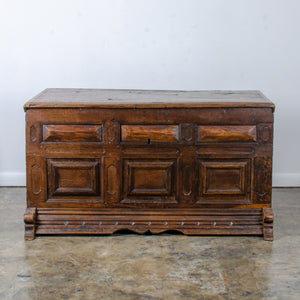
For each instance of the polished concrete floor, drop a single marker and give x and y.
(129, 266)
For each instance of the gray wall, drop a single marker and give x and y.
(161, 44)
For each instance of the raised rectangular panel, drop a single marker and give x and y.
(226, 180)
(72, 133)
(73, 177)
(149, 180)
(150, 133)
(222, 133)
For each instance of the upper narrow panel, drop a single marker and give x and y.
(72, 133)
(226, 133)
(150, 133)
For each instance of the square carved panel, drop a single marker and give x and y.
(149, 180)
(73, 177)
(227, 180)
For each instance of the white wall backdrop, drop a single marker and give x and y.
(154, 44)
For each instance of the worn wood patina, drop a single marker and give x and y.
(198, 162)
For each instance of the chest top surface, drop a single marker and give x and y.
(104, 98)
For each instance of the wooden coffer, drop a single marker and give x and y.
(197, 162)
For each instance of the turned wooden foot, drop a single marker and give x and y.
(268, 219)
(29, 219)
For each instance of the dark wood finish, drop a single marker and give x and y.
(226, 134)
(72, 133)
(188, 221)
(149, 180)
(30, 223)
(150, 133)
(73, 177)
(268, 219)
(226, 181)
(198, 162)
(93, 98)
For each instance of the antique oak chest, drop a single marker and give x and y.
(197, 162)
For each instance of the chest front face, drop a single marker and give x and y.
(184, 166)
(149, 157)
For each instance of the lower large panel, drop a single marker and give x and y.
(226, 181)
(192, 222)
(148, 180)
(73, 180)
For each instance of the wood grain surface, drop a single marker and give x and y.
(72, 133)
(150, 133)
(96, 98)
(226, 133)
(99, 161)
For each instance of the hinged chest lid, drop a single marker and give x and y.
(102, 98)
